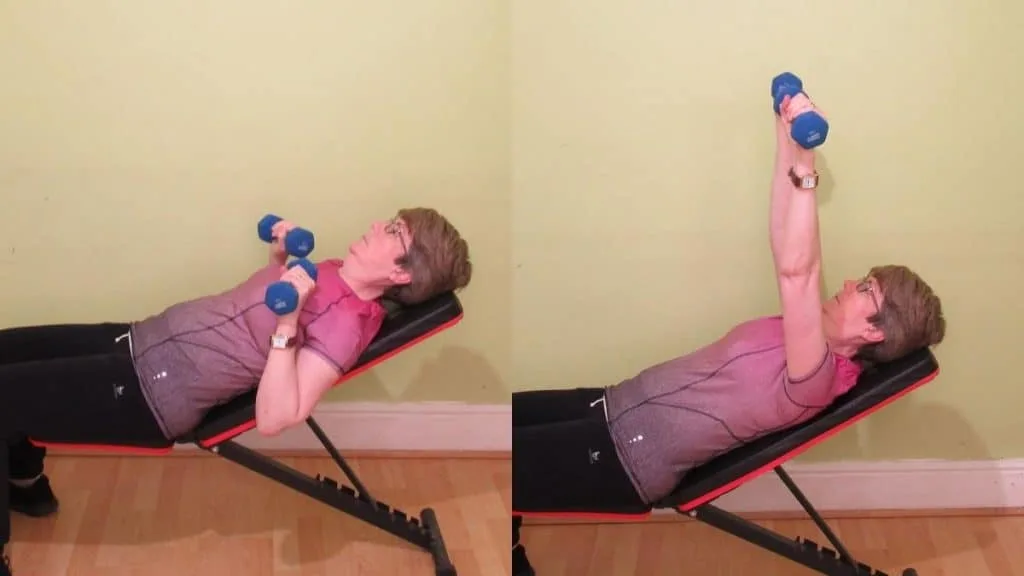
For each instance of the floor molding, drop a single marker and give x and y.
(898, 487)
(409, 427)
(870, 489)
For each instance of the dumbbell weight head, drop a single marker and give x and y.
(299, 242)
(786, 80)
(265, 227)
(281, 296)
(809, 130)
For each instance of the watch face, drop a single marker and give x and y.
(806, 182)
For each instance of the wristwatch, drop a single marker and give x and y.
(808, 182)
(282, 341)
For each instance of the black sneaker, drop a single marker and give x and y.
(36, 500)
(520, 563)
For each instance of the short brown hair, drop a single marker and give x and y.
(910, 316)
(437, 259)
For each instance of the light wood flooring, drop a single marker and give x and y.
(934, 546)
(203, 515)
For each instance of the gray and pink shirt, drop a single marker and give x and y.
(681, 413)
(204, 352)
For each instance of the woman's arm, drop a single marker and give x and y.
(294, 379)
(796, 247)
(292, 384)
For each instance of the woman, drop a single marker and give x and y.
(149, 382)
(622, 448)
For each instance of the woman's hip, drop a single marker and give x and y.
(570, 466)
(94, 399)
(542, 407)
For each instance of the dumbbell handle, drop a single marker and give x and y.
(281, 296)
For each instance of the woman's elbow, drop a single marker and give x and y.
(269, 426)
(798, 269)
(273, 423)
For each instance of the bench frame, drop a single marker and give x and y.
(424, 532)
(803, 551)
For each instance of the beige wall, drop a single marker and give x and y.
(642, 147)
(608, 161)
(140, 142)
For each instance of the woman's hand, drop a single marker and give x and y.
(785, 147)
(278, 252)
(799, 157)
(304, 286)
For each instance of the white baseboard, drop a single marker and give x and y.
(404, 427)
(831, 487)
(903, 485)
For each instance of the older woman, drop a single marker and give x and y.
(618, 449)
(152, 381)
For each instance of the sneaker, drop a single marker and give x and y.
(36, 500)
(520, 563)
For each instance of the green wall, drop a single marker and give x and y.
(608, 161)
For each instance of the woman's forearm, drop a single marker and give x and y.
(277, 397)
(799, 251)
(782, 187)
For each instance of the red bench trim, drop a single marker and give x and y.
(135, 450)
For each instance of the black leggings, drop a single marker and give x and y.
(563, 458)
(73, 384)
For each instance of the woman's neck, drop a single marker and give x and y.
(362, 289)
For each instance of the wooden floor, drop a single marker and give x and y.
(939, 546)
(203, 515)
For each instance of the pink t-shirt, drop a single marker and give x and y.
(204, 352)
(679, 414)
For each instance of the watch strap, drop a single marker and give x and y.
(282, 342)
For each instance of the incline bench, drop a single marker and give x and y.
(876, 388)
(403, 327)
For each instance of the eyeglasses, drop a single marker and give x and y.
(395, 227)
(865, 286)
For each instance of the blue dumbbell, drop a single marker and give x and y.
(809, 129)
(281, 297)
(298, 242)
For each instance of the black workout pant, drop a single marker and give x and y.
(563, 457)
(74, 384)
